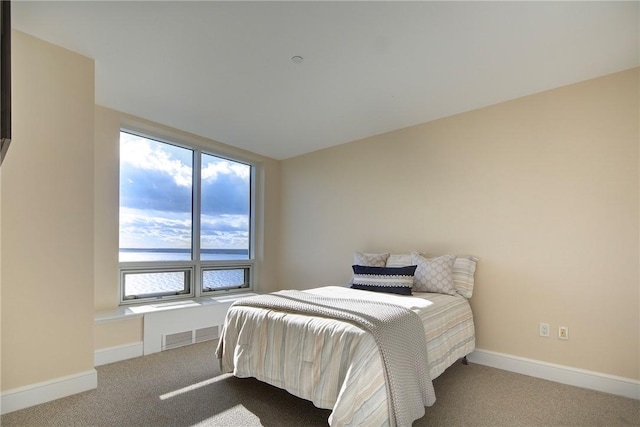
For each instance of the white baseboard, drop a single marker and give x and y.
(35, 394)
(104, 356)
(562, 374)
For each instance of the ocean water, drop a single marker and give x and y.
(149, 283)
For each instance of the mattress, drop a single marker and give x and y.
(334, 364)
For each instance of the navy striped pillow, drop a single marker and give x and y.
(395, 280)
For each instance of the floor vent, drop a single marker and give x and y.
(180, 339)
(206, 334)
(176, 340)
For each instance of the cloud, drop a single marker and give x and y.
(221, 240)
(224, 223)
(213, 166)
(143, 228)
(158, 176)
(225, 186)
(145, 154)
(227, 194)
(154, 229)
(145, 189)
(225, 231)
(156, 197)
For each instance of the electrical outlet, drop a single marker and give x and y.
(563, 332)
(544, 329)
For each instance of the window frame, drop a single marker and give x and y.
(142, 269)
(196, 266)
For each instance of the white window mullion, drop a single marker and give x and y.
(195, 244)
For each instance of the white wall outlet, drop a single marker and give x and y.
(544, 329)
(563, 332)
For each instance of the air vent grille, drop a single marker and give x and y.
(206, 334)
(176, 340)
(180, 339)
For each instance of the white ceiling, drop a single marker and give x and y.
(223, 70)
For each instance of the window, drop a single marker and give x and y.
(185, 221)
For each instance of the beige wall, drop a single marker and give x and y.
(544, 189)
(106, 196)
(47, 216)
(107, 201)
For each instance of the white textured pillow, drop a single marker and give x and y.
(399, 260)
(370, 260)
(464, 269)
(434, 274)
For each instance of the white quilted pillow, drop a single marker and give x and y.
(370, 260)
(399, 260)
(433, 274)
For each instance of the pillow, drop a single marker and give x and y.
(434, 274)
(399, 260)
(464, 269)
(371, 260)
(395, 280)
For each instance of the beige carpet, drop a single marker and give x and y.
(184, 387)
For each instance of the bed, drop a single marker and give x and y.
(338, 365)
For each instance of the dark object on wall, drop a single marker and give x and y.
(5, 77)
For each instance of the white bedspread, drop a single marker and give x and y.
(332, 363)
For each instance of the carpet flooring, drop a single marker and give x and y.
(184, 387)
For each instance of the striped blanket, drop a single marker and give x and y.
(397, 331)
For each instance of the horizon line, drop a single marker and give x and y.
(181, 250)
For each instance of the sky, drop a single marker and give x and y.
(156, 197)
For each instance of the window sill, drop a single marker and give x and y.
(138, 311)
